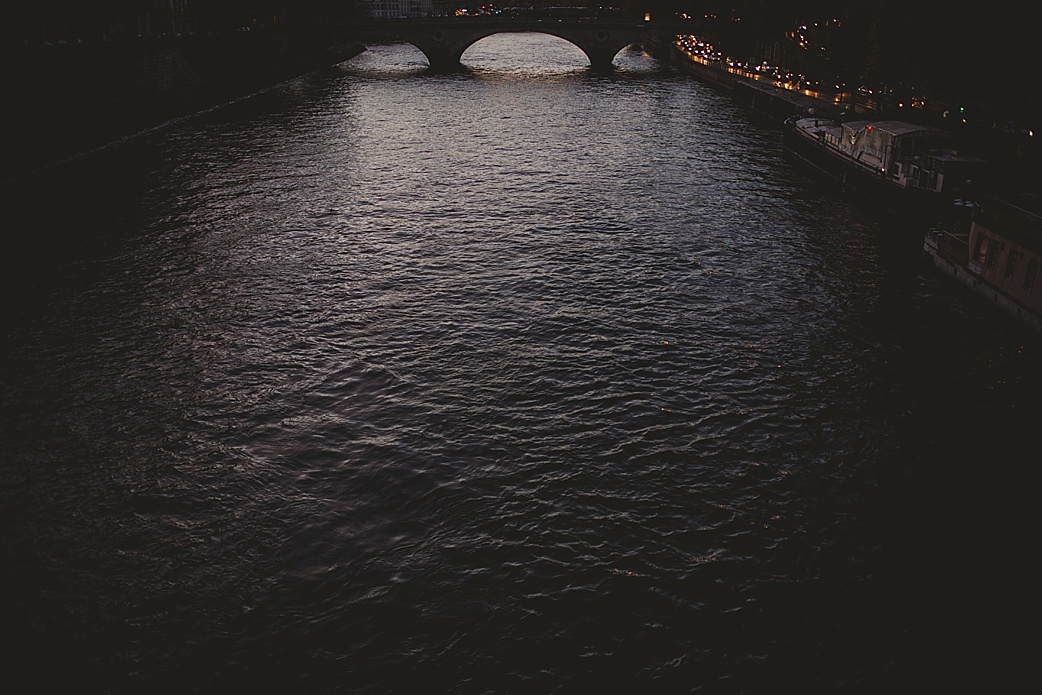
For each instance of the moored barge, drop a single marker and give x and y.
(912, 171)
(995, 249)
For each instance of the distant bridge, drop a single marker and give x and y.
(443, 40)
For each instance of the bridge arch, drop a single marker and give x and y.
(444, 52)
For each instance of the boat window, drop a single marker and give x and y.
(1029, 275)
(1011, 263)
(993, 254)
(982, 249)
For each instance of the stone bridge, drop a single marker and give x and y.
(444, 39)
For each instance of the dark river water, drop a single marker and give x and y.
(518, 380)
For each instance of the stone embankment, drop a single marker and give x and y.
(761, 96)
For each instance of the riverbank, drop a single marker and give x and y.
(1016, 158)
(67, 100)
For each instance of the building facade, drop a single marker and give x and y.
(396, 9)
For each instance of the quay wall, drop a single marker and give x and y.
(712, 74)
(776, 103)
(758, 96)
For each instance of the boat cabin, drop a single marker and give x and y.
(910, 155)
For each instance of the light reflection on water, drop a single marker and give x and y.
(521, 378)
(539, 55)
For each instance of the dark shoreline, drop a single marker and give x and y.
(67, 101)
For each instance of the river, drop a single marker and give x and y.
(519, 380)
